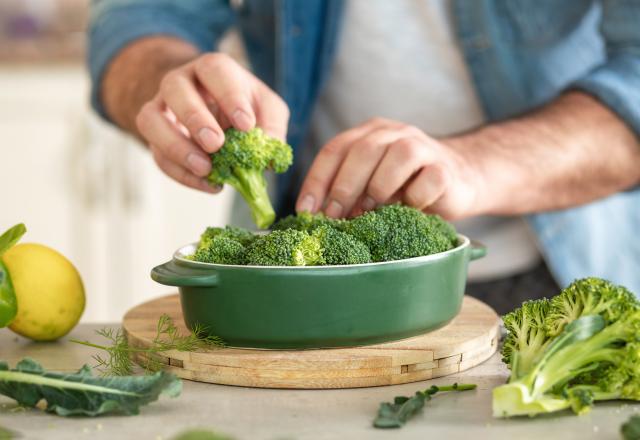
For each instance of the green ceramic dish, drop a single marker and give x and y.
(320, 306)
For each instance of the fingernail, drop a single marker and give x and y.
(198, 164)
(242, 120)
(306, 203)
(210, 139)
(334, 209)
(368, 204)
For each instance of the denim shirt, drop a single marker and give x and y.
(521, 55)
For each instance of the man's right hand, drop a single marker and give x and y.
(193, 104)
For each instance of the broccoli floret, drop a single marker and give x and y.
(589, 296)
(285, 248)
(305, 221)
(595, 356)
(340, 248)
(241, 163)
(223, 245)
(526, 338)
(395, 232)
(220, 249)
(241, 235)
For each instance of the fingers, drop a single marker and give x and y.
(401, 161)
(228, 84)
(272, 113)
(362, 159)
(323, 170)
(173, 145)
(180, 94)
(181, 174)
(427, 187)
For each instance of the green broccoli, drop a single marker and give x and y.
(241, 235)
(221, 249)
(340, 248)
(241, 163)
(305, 221)
(589, 296)
(526, 338)
(223, 245)
(285, 248)
(395, 232)
(579, 348)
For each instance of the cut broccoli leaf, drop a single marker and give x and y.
(81, 393)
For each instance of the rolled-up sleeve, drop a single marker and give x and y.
(616, 83)
(116, 23)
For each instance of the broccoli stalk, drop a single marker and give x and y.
(594, 357)
(252, 186)
(241, 163)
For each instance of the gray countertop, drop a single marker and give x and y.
(248, 413)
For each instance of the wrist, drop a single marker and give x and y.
(472, 170)
(134, 75)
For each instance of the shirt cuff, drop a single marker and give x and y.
(617, 85)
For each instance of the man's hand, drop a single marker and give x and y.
(192, 104)
(382, 161)
(570, 152)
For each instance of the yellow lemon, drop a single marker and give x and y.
(49, 291)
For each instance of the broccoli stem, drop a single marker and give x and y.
(252, 185)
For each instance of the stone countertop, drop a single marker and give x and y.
(249, 413)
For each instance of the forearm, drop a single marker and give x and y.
(134, 76)
(568, 153)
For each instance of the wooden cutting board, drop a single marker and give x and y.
(471, 338)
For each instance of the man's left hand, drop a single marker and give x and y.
(382, 161)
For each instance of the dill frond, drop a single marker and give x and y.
(118, 356)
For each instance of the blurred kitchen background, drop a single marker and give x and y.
(78, 184)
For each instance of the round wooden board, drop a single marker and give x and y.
(471, 338)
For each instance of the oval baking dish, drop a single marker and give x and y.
(320, 306)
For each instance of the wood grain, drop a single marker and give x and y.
(470, 339)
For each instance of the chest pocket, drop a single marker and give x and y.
(540, 22)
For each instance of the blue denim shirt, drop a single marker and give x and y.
(521, 54)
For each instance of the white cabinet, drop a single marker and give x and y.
(89, 191)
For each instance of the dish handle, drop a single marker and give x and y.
(478, 250)
(174, 274)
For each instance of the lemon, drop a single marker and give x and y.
(49, 291)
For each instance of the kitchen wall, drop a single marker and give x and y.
(79, 185)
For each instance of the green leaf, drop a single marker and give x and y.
(630, 430)
(11, 237)
(81, 393)
(8, 302)
(396, 414)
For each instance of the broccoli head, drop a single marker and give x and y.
(395, 232)
(285, 248)
(223, 245)
(340, 248)
(241, 163)
(579, 348)
(241, 235)
(305, 221)
(220, 250)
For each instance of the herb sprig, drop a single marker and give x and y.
(118, 357)
(394, 415)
